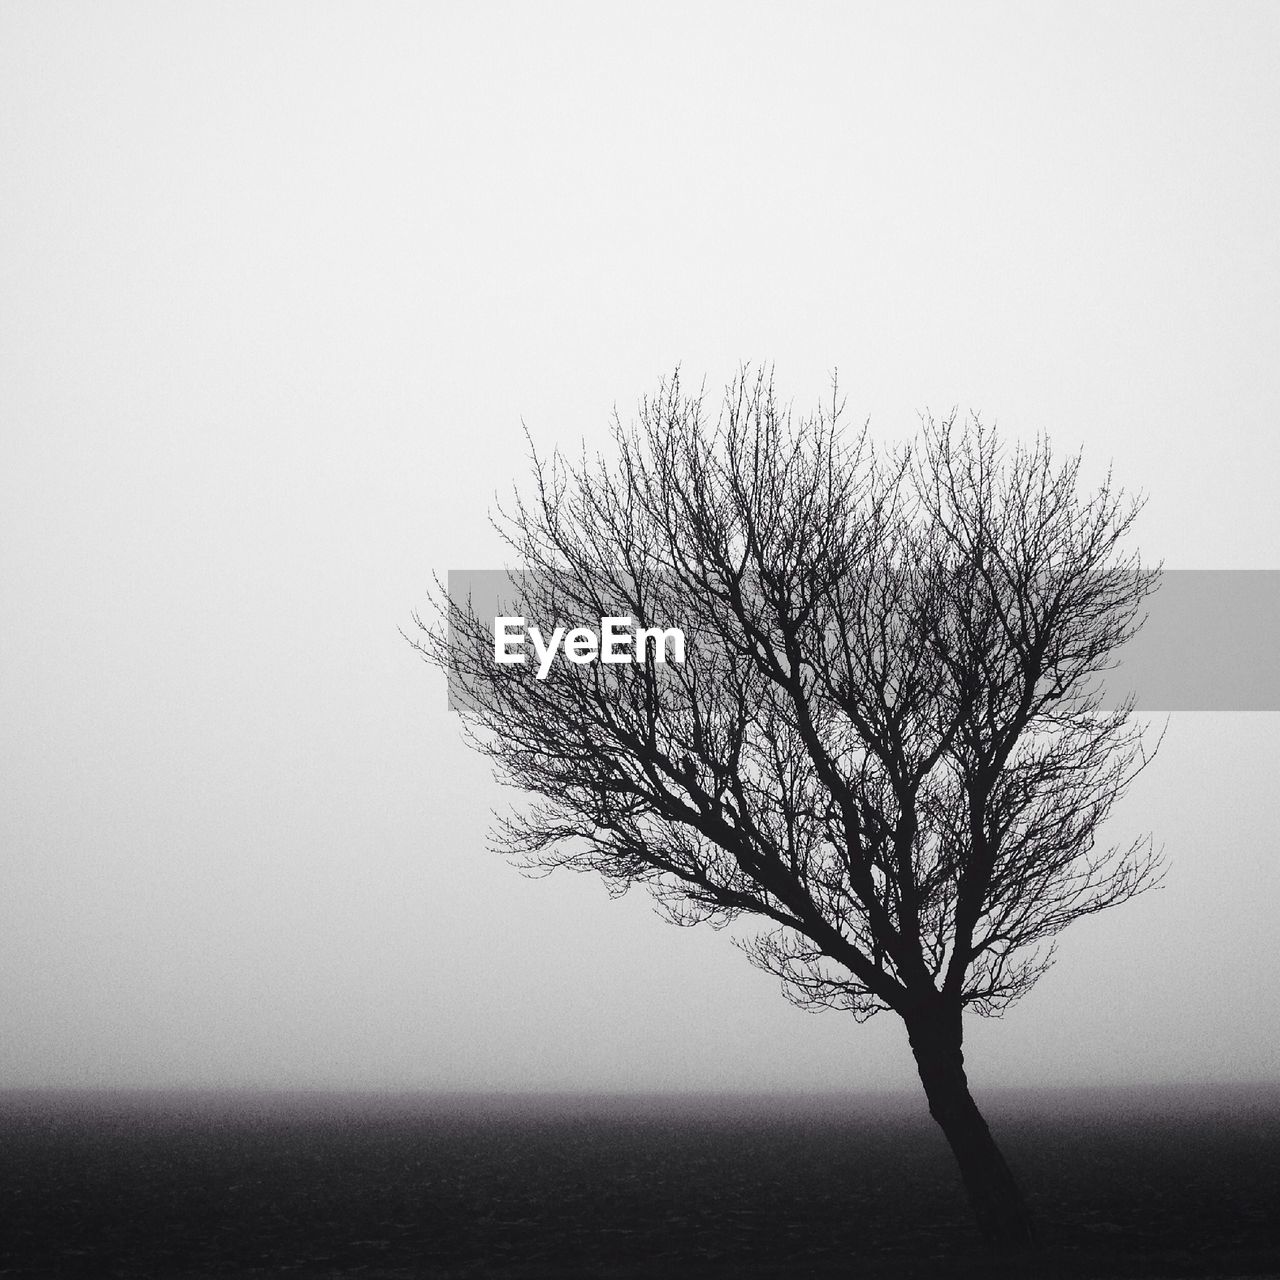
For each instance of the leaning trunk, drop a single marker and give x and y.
(997, 1203)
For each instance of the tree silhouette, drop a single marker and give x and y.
(887, 740)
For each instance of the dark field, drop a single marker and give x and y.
(1158, 1183)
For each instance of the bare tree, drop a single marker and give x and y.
(887, 739)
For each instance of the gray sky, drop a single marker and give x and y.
(279, 284)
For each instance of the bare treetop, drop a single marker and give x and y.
(886, 740)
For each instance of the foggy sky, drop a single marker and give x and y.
(279, 286)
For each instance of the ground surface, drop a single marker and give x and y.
(1162, 1184)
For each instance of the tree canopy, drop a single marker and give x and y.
(888, 741)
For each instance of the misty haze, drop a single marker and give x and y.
(290, 293)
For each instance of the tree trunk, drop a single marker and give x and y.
(935, 1036)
